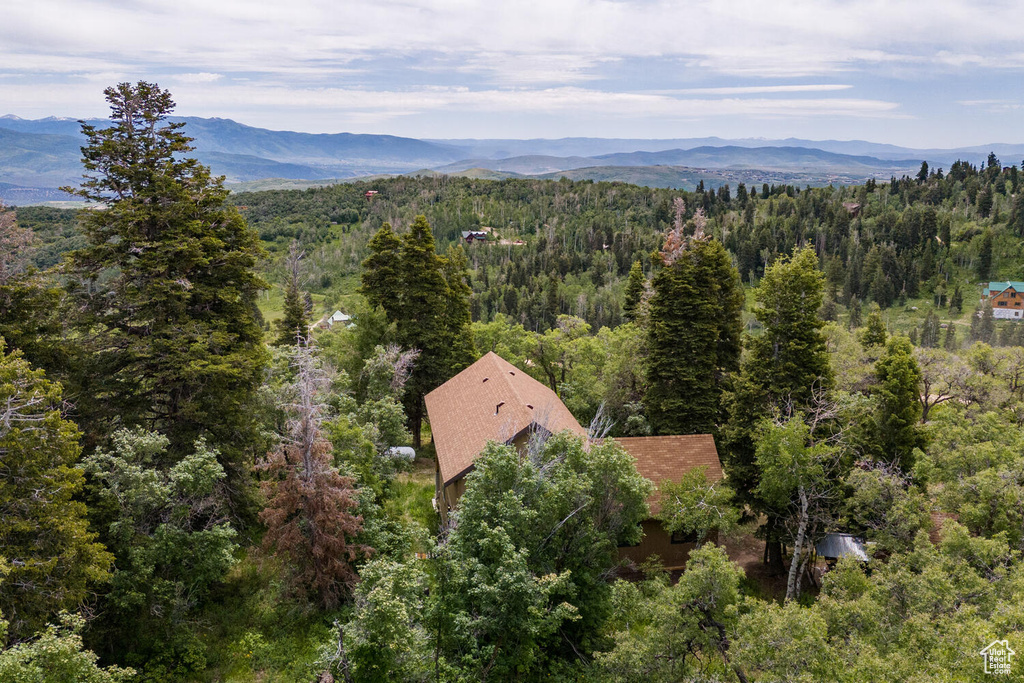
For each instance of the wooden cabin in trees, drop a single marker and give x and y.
(1006, 299)
(492, 400)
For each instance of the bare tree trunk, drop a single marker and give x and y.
(798, 546)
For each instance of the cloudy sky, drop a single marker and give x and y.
(931, 73)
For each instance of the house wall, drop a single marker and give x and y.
(448, 497)
(1008, 304)
(657, 541)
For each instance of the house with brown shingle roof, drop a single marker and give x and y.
(492, 400)
(662, 459)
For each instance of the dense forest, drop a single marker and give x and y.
(198, 482)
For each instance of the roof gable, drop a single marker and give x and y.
(996, 288)
(491, 400)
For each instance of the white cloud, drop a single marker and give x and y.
(380, 61)
(201, 77)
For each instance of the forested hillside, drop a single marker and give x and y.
(886, 243)
(199, 483)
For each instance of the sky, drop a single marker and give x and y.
(933, 73)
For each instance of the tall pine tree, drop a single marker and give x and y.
(427, 297)
(693, 337)
(635, 286)
(785, 367)
(165, 289)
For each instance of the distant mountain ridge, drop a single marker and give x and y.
(37, 156)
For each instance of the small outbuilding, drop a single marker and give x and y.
(837, 546)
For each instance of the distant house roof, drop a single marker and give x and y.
(835, 546)
(475, 234)
(994, 288)
(668, 458)
(491, 400)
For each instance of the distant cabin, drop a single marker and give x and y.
(492, 400)
(336, 318)
(1005, 298)
(471, 236)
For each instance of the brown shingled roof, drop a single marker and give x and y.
(661, 458)
(491, 400)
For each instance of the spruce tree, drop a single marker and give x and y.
(790, 358)
(382, 278)
(457, 319)
(956, 302)
(427, 297)
(899, 409)
(164, 292)
(930, 330)
(950, 343)
(856, 319)
(985, 254)
(987, 326)
(635, 286)
(874, 333)
(29, 318)
(784, 369)
(295, 323)
(693, 338)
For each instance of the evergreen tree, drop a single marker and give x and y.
(983, 325)
(382, 278)
(790, 359)
(956, 302)
(635, 286)
(457, 319)
(985, 256)
(53, 559)
(427, 297)
(693, 337)
(930, 330)
(897, 419)
(855, 319)
(987, 326)
(28, 305)
(165, 289)
(551, 302)
(786, 368)
(950, 343)
(311, 512)
(294, 324)
(874, 333)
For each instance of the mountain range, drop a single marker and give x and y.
(37, 156)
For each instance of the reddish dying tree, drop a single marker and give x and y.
(310, 513)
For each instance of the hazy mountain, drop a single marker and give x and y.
(767, 158)
(46, 153)
(39, 155)
(595, 147)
